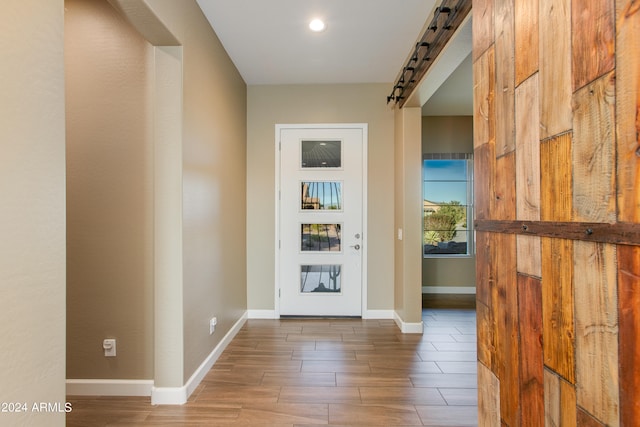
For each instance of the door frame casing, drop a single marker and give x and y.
(278, 130)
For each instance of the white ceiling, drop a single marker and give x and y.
(366, 41)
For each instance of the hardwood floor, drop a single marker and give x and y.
(310, 372)
(467, 301)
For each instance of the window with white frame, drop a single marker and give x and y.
(447, 189)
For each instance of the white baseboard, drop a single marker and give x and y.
(467, 290)
(367, 314)
(205, 367)
(179, 395)
(159, 395)
(408, 328)
(169, 395)
(98, 387)
(262, 314)
(378, 314)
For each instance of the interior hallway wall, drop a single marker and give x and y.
(348, 103)
(214, 150)
(109, 194)
(32, 217)
(408, 217)
(211, 183)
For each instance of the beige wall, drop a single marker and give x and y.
(214, 181)
(408, 216)
(167, 222)
(32, 217)
(209, 141)
(269, 105)
(109, 194)
(448, 134)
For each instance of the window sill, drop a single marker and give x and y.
(439, 256)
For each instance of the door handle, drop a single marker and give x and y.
(356, 247)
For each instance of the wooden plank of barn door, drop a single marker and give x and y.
(628, 197)
(529, 255)
(504, 198)
(484, 161)
(505, 311)
(488, 397)
(483, 26)
(593, 152)
(505, 76)
(484, 278)
(557, 306)
(532, 364)
(486, 336)
(559, 401)
(556, 181)
(526, 36)
(629, 345)
(596, 323)
(528, 166)
(488, 300)
(528, 150)
(483, 99)
(628, 109)
(585, 419)
(483, 133)
(556, 86)
(593, 40)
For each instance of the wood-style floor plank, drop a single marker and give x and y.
(372, 380)
(371, 415)
(460, 396)
(445, 380)
(455, 416)
(411, 395)
(322, 379)
(319, 394)
(284, 413)
(239, 394)
(448, 356)
(350, 366)
(399, 367)
(458, 367)
(319, 372)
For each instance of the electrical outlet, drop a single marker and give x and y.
(212, 325)
(109, 347)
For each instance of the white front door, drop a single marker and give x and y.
(320, 219)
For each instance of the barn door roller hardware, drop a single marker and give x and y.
(446, 19)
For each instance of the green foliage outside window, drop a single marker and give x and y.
(441, 226)
(456, 212)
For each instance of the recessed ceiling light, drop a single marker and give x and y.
(317, 25)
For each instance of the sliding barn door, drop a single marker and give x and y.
(557, 207)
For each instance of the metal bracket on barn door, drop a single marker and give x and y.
(622, 233)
